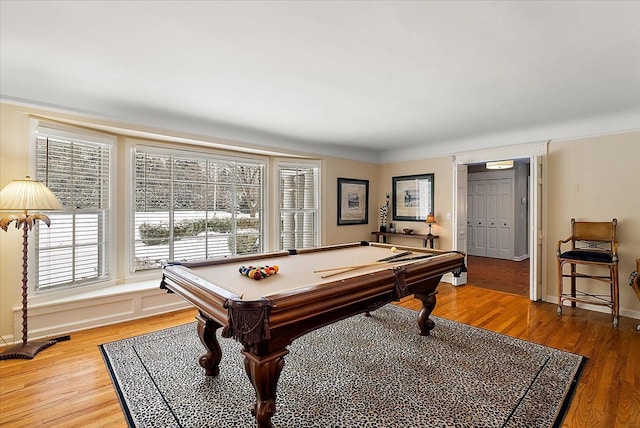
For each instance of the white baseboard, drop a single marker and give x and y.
(624, 312)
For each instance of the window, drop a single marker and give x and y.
(191, 206)
(76, 166)
(299, 213)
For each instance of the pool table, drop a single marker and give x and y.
(313, 287)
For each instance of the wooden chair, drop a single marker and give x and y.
(634, 282)
(593, 246)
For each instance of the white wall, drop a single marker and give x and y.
(596, 179)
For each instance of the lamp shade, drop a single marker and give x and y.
(431, 219)
(26, 195)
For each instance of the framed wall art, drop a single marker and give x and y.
(353, 201)
(412, 197)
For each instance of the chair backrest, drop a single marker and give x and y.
(594, 233)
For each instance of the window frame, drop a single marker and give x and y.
(281, 163)
(36, 126)
(169, 148)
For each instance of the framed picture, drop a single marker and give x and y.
(412, 197)
(353, 201)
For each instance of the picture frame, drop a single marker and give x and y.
(353, 201)
(413, 197)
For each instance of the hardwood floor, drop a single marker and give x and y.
(67, 385)
(499, 274)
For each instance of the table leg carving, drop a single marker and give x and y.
(264, 374)
(207, 332)
(428, 303)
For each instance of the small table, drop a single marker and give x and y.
(266, 316)
(425, 238)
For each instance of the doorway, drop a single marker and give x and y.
(535, 153)
(498, 226)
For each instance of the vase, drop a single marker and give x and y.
(383, 229)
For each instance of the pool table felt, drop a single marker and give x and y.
(297, 271)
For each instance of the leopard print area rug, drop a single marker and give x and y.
(360, 372)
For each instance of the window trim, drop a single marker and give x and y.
(297, 163)
(37, 124)
(169, 148)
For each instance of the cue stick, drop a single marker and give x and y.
(386, 259)
(395, 256)
(374, 263)
(341, 271)
(349, 269)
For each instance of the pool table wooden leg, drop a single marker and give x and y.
(264, 373)
(428, 303)
(207, 332)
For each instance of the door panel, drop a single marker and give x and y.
(479, 220)
(492, 219)
(505, 219)
(460, 211)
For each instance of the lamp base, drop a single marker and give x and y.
(26, 351)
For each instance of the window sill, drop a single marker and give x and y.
(78, 294)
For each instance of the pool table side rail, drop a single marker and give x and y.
(197, 291)
(409, 248)
(306, 309)
(414, 273)
(444, 262)
(356, 295)
(234, 259)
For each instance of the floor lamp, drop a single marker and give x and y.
(25, 195)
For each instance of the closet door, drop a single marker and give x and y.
(505, 219)
(492, 201)
(490, 218)
(479, 219)
(470, 211)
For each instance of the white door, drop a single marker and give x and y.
(535, 237)
(470, 211)
(505, 219)
(479, 219)
(490, 223)
(460, 211)
(492, 202)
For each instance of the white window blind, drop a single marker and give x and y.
(191, 206)
(299, 213)
(74, 250)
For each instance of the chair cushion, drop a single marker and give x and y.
(588, 256)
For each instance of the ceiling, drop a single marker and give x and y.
(366, 80)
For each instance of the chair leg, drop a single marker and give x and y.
(615, 295)
(559, 287)
(573, 284)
